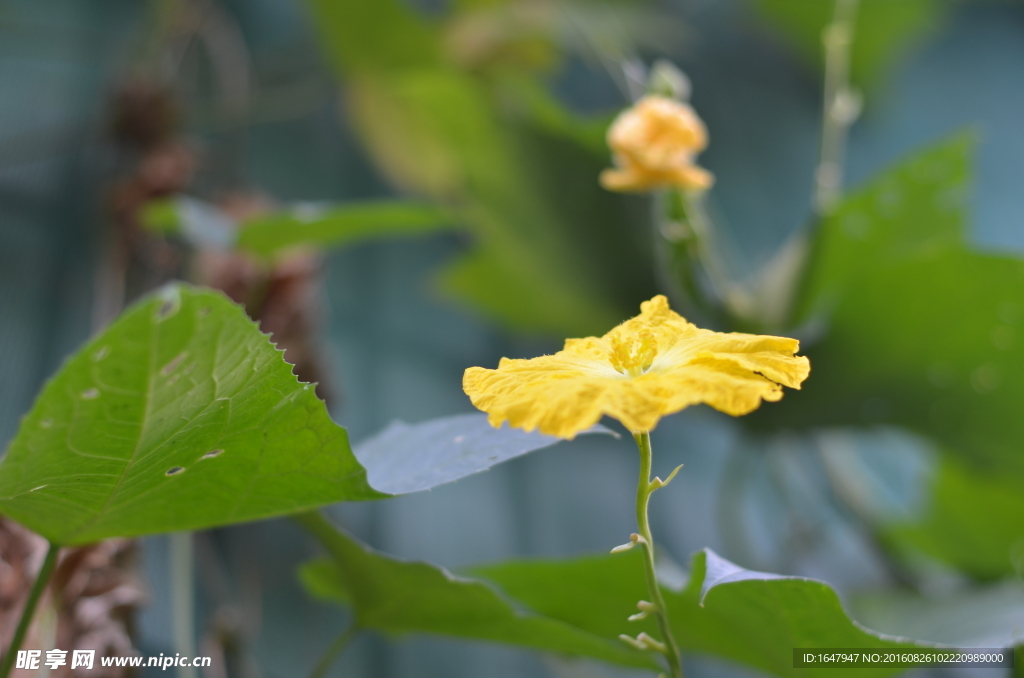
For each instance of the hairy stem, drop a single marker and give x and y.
(30, 607)
(841, 105)
(644, 490)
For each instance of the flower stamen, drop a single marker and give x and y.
(633, 355)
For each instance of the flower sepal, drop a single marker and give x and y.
(658, 483)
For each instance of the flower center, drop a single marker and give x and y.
(632, 355)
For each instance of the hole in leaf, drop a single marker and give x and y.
(91, 394)
(170, 303)
(175, 470)
(212, 453)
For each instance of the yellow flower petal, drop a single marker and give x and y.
(648, 367)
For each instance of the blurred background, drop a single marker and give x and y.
(495, 109)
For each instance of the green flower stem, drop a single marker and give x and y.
(676, 261)
(644, 490)
(30, 607)
(688, 257)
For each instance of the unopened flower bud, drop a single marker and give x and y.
(654, 145)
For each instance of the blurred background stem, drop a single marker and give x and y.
(687, 259)
(183, 599)
(841, 105)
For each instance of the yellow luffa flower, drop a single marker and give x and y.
(649, 366)
(654, 144)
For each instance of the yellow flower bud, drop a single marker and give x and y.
(654, 145)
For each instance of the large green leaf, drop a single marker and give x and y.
(378, 35)
(883, 28)
(913, 325)
(396, 596)
(328, 226)
(751, 618)
(403, 459)
(180, 415)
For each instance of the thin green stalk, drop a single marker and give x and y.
(685, 254)
(645, 487)
(319, 527)
(332, 652)
(30, 607)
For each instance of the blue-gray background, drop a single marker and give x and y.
(397, 349)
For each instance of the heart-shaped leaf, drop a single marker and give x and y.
(181, 415)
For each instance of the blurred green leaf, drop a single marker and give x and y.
(548, 115)
(326, 226)
(378, 35)
(181, 415)
(990, 617)
(465, 142)
(914, 326)
(435, 133)
(747, 617)
(883, 29)
(974, 521)
(160, 216)
(396, 596)
(201, 224)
